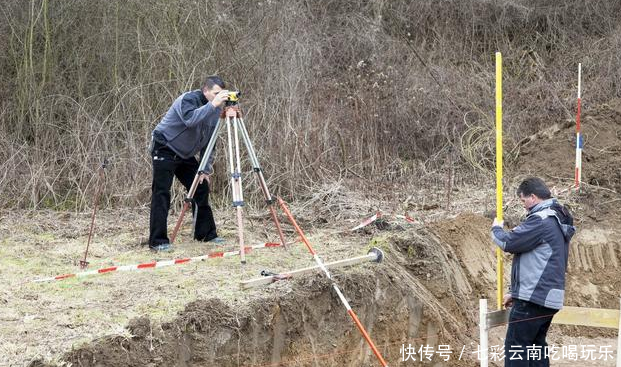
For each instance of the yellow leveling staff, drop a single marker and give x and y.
(499, 265)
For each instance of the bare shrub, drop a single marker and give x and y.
(380, 91)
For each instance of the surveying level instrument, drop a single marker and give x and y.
(233, 98)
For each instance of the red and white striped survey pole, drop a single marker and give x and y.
(157, 264)
(579, 139)
(321, 265)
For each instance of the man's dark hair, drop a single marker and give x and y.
(212, 80)
(536, 186)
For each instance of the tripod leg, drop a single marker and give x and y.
(240, 193)
(236, 182)
(186, 205)
(259, 174)
(188, 199)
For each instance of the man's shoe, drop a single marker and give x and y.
(164, 247)
(218, 240)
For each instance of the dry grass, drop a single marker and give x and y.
(44, 320)
(50, 318)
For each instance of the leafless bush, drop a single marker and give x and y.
(374, 90)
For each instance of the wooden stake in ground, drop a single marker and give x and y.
(102, 178)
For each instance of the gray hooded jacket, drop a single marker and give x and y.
(541, 248)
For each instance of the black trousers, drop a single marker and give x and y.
(528, 327)
(166, 165)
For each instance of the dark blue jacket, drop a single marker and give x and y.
(541, 248)
(189, 124)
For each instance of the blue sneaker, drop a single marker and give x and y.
(218, 240)
(164, 247)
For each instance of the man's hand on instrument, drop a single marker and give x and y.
(220, 98)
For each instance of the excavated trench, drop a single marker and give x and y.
(415, 297)
(425, 293)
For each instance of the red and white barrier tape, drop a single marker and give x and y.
(367, 221)
(379, 215)
(406, 218)
(156, 264)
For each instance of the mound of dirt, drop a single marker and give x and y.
(426, 292)
(551, 152)
(468, 236)
(299, 323)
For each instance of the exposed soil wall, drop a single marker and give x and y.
(306, 326)
(425, 293)
(421, 294)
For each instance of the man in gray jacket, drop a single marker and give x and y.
(540, 245)
(184, 132)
